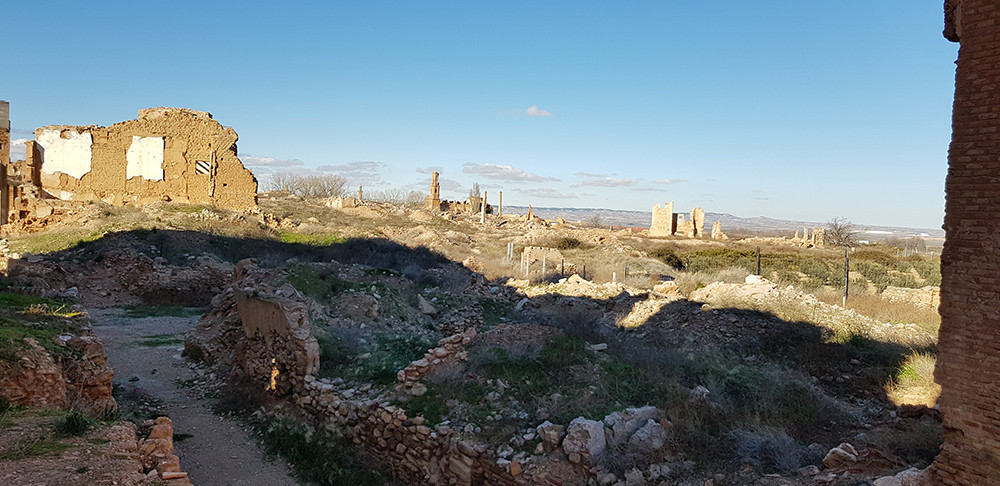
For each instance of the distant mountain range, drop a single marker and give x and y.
(642, 219)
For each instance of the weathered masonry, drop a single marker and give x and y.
(668, 223)
(433, 202)
(968, 366)
(4, 158)
(166, 154)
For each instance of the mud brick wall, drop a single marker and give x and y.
(165, 154)
(968, 366)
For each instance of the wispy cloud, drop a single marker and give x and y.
(251, 161)
(430, 170)
(534, 110)
(591, 174)
(762, 198)
(669, 181)
(547, 192)
(609, 182)
(503, 173)
(358, 172)
(450, 185)
(649, 189)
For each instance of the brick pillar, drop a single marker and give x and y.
(968, 366)
(4, 160)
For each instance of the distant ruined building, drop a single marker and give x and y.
(433, 202)
(668, 223)
(815, 239)
(166, 154)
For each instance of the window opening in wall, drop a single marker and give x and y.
(202, 167)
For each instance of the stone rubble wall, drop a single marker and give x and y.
(80, 379)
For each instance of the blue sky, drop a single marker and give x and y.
(787, 109)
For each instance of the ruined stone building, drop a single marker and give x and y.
(810, 239)
(166, 154)
(968, 366)
(668, 223)
(433, 202)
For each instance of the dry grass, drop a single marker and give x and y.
(914, 383)
(688, 282)
(883, 310)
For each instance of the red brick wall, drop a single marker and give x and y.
(968, 366)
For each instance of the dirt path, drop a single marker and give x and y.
(219, 451)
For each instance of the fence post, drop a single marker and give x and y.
(585, 272)
(847, 275)
(543, 265)
(758, 261)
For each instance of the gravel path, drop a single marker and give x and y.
(219, 451)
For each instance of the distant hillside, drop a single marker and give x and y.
(641, 219)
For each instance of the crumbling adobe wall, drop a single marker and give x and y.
(968, 366)
(261, 331)
(166, 154)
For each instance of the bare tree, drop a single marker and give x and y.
(913, 244)
(474, 192)
(841, 232)
(326, 185)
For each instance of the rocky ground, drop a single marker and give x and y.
(750, 383)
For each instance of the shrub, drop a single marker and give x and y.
(667, 256)
(768, 449)
(391, 354)
(568, 243)
(322, 455)
(73, 424)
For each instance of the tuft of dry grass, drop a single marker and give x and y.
(914, 383)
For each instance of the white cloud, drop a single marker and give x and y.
(534, 110)
(547, 192)
(669, 181)
(429, 170)
(18, 149)
(251, 161)
(609, 182)
(503, 173)
(591, 174)
(648, 189)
